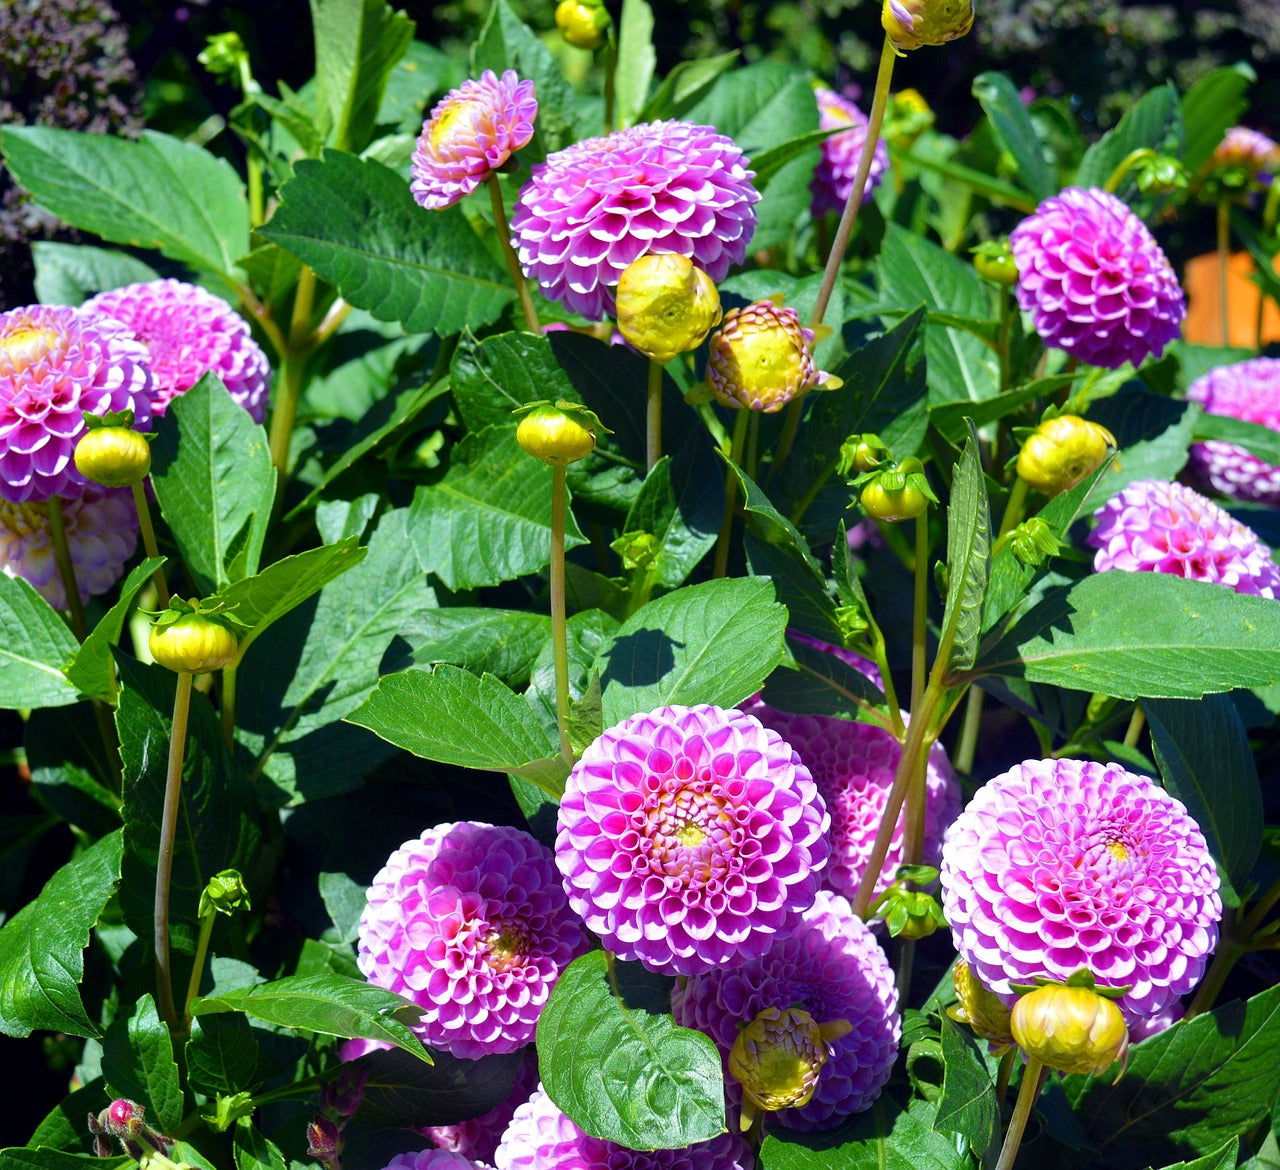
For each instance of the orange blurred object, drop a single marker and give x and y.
(1203, 325)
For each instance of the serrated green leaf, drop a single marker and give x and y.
(822, 684)
(92, 670)
(968, 557)
(253, 1151)
(636, 60)
(137, 1062)
(44, 1158)
(37, 643)
(222, 1055)
(69, 274)
(1222, 1159)
(681, 504)
(1210, 108)
(1261, 441)
(1152, 433)
(760, 105)
(493, 377)
(501, 642)
(1016, 132)
(968, 1102)
(686, 85)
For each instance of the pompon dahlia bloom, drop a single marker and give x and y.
(762, 357)
(1250, 151)
(833, 180)
(594, 207)
(541, 1137)
(478, 1138)
(1058, 865)
(102, 532)
(689, 837)
(1250, 391)
(833, 968)
(434, 1160)
(471, 132)
(1095, 281)
(55, 364)
(470, 923)
(188, 332)
(1157, 527)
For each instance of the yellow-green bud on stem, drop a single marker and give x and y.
(111, 452)
(559, 434)
(186, 640)
(912, 23)
(897, 493)
(224, 893)
(1061, 451)
(994, 260)
(861, 453)
(582, 23)
(980, 1007)
(1072, 1029)
(666, 306)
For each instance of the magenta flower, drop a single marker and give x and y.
(1095, 281)
(833, 180)
(55, 364)
(594, 207)
(434, 1160)
(1250, 391)
(1157, 527)
(188, 333)
(832, 967)
(478, 1138)
(541, 1137)
(1059, 865)
(470, 923)
(689, 837)
(472, 131)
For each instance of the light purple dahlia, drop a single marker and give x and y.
(1058, 865)
(689, 837)
(478, 1138)
(56, 363)
(1250, 150)
(1095, 281)
(471, 132)
(831, 966)
(1250, 391)
(470, 923)
(541, 1137)
(1157, 527)
(833, 180)
(594, 207)
(434, 1160)
(188, 332)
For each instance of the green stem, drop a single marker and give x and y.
(967, 747)
(559, 626)
(1263, 907)
(1224, 960)
(66, 570)
(1033, 1077)
(149, 543)
(753, 445)
(653, 417)
(1014, 508)
(1136, 723)
(721, 563)
(1224, 261)
(920, 624)
(256, 204)
(304, 298)
(164, 856)
(1003, 1072)
(509, 254)
(1126, 164)
(790, 428)
(229, 706)
(286, 410)
(197, 971)
(880, 656)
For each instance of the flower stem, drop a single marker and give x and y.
(197, 970)
(920, 624)
(559, 627)
(1136, 724)
(508, 252)
(1224, 262)
(610, 90)
(229, 706)
(66, 570)
(1003, 1072)
(1014, 508)
(1126, 164)
(653, 417)
(721, 564)
(1033, 1077)
(149, 543)
(967, 747)
(164, 856)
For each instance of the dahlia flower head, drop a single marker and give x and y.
(1157, 527)
(470, 923)
(1250, 150)
(689, 837)
(1058, 865)
(1095, 281)
(434, 1159)
(478, 1138)
(591, 209)
(541, 1137)
(1248, 390)
(56, 363)
(831, 966)
(761, 358)
(471, 132)
(188, 332)
(833, 180)
(102, 532)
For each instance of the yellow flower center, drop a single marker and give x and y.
(445, 123)
(1117, 850)
(25, 346)
(690, 833)
(23, 519)
(507, 948)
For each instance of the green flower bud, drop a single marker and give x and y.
(853, 623)
(224, 893)
(912, 23)
(666, 305)
(1160, 175)
(907, 117)
(911, 914)
(897, 493)
(1033, 541)
(582, 23)
(111, 452)
(1061, 451)
(994, 260)
(860, 453)
(559, 434)
(980, 1008)
(184, 639)
(637, 550)
(1072, 1029)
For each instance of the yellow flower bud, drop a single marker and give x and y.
(994, 260)
(980, 1007)
(1072, 1029)
(555, 436)
(666, 305)
(912, 23)
(113, 456)
(582, 23)
(1061, 452)
(192, 642)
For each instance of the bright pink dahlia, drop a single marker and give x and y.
(1250, 150)
(434, 1160)
(472, 131)
(594, 207)
(1157, 527)
(1095, 281)
(689, 837)
(1250, 391)
(1062, 864)
(833, 180)
(55, 364)
(470, 923)
(102, 532)
(479, 1137)
(188, 333)
(541, 1137)
(833, 968)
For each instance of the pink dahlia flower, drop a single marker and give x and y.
(102, 532)
(833, 968)
(434, 1160)
(689, 837)
(1250, 391)
(479, 1137)
(1157, 527)
(833, 180)
(470, 923)
(1250, 150)
(472, 131)
(1095, 281)
(594, 207)
(188, 333)
(1059, 865)
(541, 1137)
(55, 364)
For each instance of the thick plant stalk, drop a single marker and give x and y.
(653, 417)
(559, 625)
(66, 570)
(1032, 1079)
(164, 857)
(721, 564)
(149, 544)
(513, 264)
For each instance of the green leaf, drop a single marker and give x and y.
(710, 643)
(968, 1102)
(222, 1055)
(43, 1158)
(682, 507)
(1210, 108)
(822, 684)
(1222, 1159)
(357, 225)
(968, 557)
(329, 1004)
(1255, 438)
(155, 192)
(636, 61)
(686, 85)
(493, 377)
(69, 274)
(36, 644)
(1154, 123)
(1016, 132)
(137, 1062)
(621, 1067)
(92, 670)
(252, 1151)
(1152, 432)
(760, 106)
(502, 642)
(949, 418)
(42, 946)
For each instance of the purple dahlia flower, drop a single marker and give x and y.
(1157, 527)
(188, 333)
(55, 364)
(541, 1137)
(689, 837)
(1095, 281)
(594, 207)
(833, 180)
(1250, 150)
(1250, 391)
(472, 131)
(434, 1160)
(470, 923)
(1059, 865)
(833, 968)
(478, 1138)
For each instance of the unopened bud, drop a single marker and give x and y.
(224, 893)
(111, 452)
(637, 550)
(912, 23)
(559, 434)
(1072, 1029)
(324, 1140)
(980, 1007)
(582, 23)
(994, 260)
(666, 305)
(183, 638)
(1061, 451)
(860, 453)
(1033, 541)
(897, 493)
(1160, 175)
